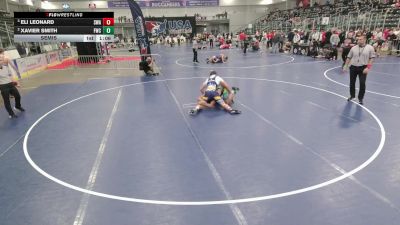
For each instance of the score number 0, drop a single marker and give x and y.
(108, 25)
(108, 21)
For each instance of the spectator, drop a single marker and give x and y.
(397, 41)
(346, 49)
(147, 66)
(275, 42)
(313, 52)
(322, 38)
(242, 38)
(328, 35)
(291, 36)
(296, 38)
(270, 36)
(315, 35)
(246, 44)
(342, 37)
(334, 39)
(211, 39)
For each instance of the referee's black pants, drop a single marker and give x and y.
(354, 72)
(195, 55)
(6, 91)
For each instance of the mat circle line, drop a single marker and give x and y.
(337, 82)
(198, 203)
(235, 67)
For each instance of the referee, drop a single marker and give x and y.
(7, 85)
(195, 48)
(360, 61)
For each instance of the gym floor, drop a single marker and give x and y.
(123, 150)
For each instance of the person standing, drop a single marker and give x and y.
(270, 35)
(275, 42)
(360, 60)
(290, 36)
(246, 44)
(346, 46)
(242, 38)
(211, 40)
(7, 86)
(195, 48)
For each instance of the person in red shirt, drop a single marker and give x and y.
(242, 38)
(397, 4)
(270, 35)
(323, 38)
(386, 33)
(221, 41)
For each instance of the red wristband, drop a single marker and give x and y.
(369, 66)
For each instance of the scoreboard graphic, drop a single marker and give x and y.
(63, 26)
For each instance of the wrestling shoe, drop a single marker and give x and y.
(235, 90)
(235, 111)
(20, 109)
(193, 112)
